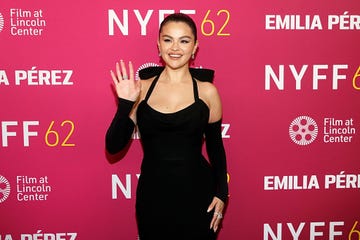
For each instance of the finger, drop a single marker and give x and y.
(211, 206)
(212, 224)
(216, 224)
(118, 72)
(218, 207)
(131, 71)
(216, 220)
(113, 76)
(123, 70)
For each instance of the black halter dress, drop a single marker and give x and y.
(176, 184)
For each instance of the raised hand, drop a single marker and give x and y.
(125, 85)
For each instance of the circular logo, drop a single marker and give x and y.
(303, 130)
(1, 22)
(4, 189)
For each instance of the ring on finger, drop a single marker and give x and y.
(218, 215)
(125, 77)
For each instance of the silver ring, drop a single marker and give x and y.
(219, 215)
(125, 77)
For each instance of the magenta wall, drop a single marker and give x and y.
(289, 76)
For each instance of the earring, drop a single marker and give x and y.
(159, 54)
(193, 56)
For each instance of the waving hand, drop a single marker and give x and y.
(125, 85)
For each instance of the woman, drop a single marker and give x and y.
(180, 195)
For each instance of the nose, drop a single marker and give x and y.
(175, 46)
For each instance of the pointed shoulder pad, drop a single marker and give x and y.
(202, 74)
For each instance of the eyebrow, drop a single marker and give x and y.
(179, 38)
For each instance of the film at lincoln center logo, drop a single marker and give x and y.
(4, 189)
(303, 130)
(1, 22)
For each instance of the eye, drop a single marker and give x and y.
(185, 41)
(167, 40)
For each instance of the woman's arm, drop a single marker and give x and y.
(121, 128)
(216, 153)
(122, 125)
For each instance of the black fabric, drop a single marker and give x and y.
(177, 184)
(121, 127)
(216, 152)
(201, 74)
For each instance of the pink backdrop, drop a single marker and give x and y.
(289, 77)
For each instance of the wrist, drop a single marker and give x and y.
(125, 106)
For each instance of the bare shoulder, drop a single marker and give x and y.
(210, 95)
(207, 91)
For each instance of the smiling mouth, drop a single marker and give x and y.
(175, 55)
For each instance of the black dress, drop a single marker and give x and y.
(176, 184)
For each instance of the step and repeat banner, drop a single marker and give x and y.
(288, 73)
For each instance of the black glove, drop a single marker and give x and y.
(216, 152)
(121, 127)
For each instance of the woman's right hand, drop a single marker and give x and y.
(125, 85)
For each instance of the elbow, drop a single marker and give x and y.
(111, 150)
(114, 153)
